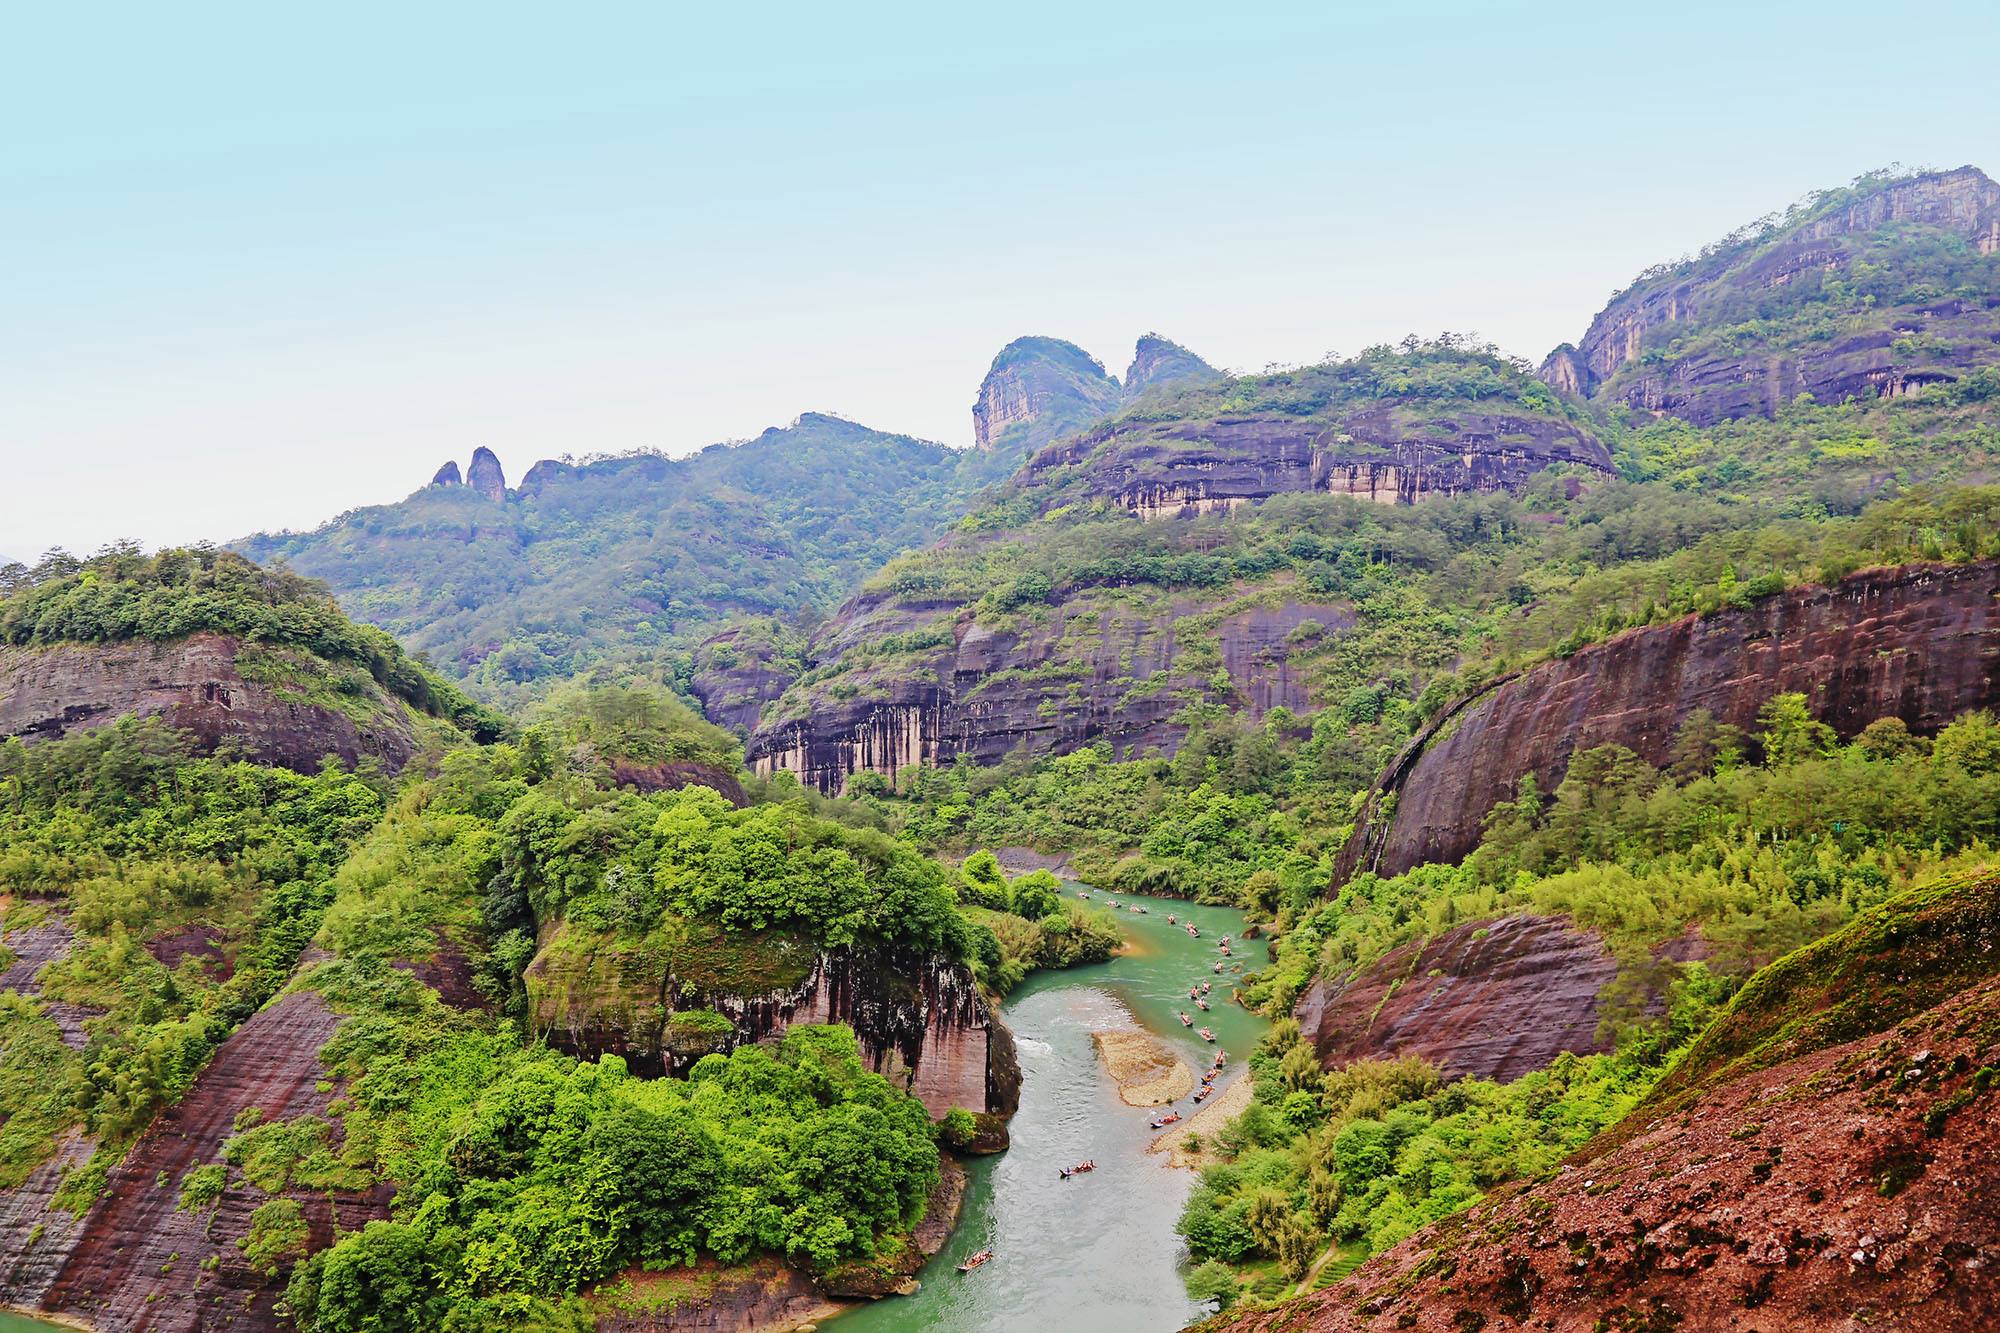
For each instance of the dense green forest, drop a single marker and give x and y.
(523, 1176)
(549, 942)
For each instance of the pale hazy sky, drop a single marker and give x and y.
(264, 265)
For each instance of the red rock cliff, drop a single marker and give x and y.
(1488, 999)
(1919, 642)
(921, 1022)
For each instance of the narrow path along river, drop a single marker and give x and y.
(1098, 1253)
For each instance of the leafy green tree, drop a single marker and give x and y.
(981, 882)
(1037, 895)
(1971, 744)
(1789, 732)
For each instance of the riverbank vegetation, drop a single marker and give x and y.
(1745, 846)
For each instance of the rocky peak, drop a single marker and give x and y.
(541, 474)
(1038, 388)
(485, 475)
(1157, 360)
(1565, 372)
(1782, 267)
(447, 475)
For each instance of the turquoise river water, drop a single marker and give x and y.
(1098, 1253)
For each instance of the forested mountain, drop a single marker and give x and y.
(629, 561)
(1041, 388)
(248, 660)
(1668, 694)
(620, 560)
(1873, 290)
(1110, 586)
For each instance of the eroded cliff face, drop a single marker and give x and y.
(1383, 452)
(1157, 360)
(737, 673)
(199, 685)
(1098, 668)
(921, 1022)
(1918, 642)
(486, 476)
(1487, 999)
(1887, 349)
(1037, 386)
(1116, 665)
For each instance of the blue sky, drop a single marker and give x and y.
(263, 266)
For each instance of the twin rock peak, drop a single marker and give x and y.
(1036, 390)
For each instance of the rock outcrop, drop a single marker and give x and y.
(1385, 453)
(1041, 388)
(485, 475)
(1843, 1189)
(1158, 361)
(1036, 388)
(1648, 348)
(921, 1022)
(1048, 687)
(1487, 999)
(1918, 642)
(447, 475)
(542, 474)
(1107, 661)
(739, 671)
(199, 685)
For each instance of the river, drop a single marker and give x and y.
(1098, 1253)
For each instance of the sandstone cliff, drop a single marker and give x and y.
(485, 475)
(447, 475)
(1488, 999)
(1919, 642)
(906, 673)
(1901, 276)
(664, 1003)
(1035, 388)
(137, 1261)
(1050, 686)
(1156, 360)
(739, 671)
(278, 707)
(1387, 453)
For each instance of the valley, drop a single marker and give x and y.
(721, 891)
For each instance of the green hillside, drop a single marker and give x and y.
(630, 561)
